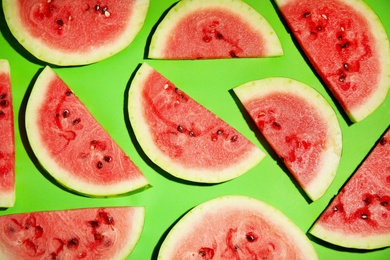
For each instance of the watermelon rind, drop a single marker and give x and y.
(43, 51)
(50, 164)
(330, 157)
(184, 8)
(247, 206)
(125, 240)
(7, 198)
(142, 131)
(382, 49)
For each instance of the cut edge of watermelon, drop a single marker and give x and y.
(331, 157)
(372, 103)
(66, 58)
(350, 240)
(183, 8)
(61, 175)
(7, 198)
(272, 214)
(142, 131)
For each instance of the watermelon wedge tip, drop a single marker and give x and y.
(212, 29)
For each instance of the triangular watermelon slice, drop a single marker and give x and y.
(236, 227)
(89, 233)
(210, 29)
(359, 216)
(69, 32)
(183, 137)
(7, 138)
(72, 146)
(347, 46)
(301, 127)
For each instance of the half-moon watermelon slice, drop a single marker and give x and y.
(183, 137)
(72, 146)
(347, 46)
(90, 233)
(210, 29)
(236, 227)
(7, 137)
(69, 32)
(300, 126)
(359, 216)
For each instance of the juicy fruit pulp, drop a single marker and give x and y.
(72, 146)
(300, 126)
(209, 29)
(235, 227)
(359, 216)
(349, 48)
(183, 137)
(93, 233)
(7, 138)
(67, 32)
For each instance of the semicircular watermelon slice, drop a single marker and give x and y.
(210, 29)
(7, 138)
(347, 46)
(300, 126)
(68, 32)
(235, 227)
(359, 216)
(183, 137)
(89, 233)
(72, 146)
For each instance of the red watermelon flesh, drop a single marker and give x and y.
(92, 233)
(7, 138)
(183, 137)
(359, 216)
(72, 146)
(235, 227)
(348, 47)
(209, 29)
(68, 32)
(299, 125)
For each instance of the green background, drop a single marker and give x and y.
(103, 88)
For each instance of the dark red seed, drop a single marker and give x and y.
(97, 7)
(364, 216)
(76, 121)
(108, 158)
(72, 243)
(234, 138)
(219, 35)
(180, 129)
(276, 125)
(2, 114)
(2, 96)
(65, 114)
(4, 103)
(60, 22)
(68, 93)
(191, 133)
(346, 66)
(383, 141)
(94, 223)
(342, 78)
(233, 54)
(219, 132)
(251, 237)
(99, 165)
(306, 14)
(206, 38)
(206, 252)
(319, 28)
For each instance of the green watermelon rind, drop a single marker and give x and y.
(45, 53)
(331, 157)
(60, 174)
(142, 132)
(184, 8)
(136, 220)
(7, 198)
(379, 32)
(246, 204)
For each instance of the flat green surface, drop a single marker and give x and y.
(103, 87)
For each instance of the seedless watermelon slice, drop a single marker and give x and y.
(72, 146)
(7, 138)
(91, 233)
(207, 29)
(69, 32)
(301, 127)
(236, 227)
(359, 216)
(348, 47)
(183, 137)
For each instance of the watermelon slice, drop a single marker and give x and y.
(183, 137)
(347, 46)
(69, 32)
(236, 227)
(209, 29)
(301, 127)
(7, 137)
(91, 233)
(359, 216)
(72, 146)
